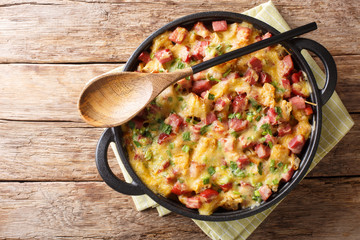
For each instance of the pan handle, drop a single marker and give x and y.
(105, 172)
(327, 60)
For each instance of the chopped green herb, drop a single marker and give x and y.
(172, 163)
(188, 120)
(263, 139)
(258, 109)
(206, 180)
(137, 144)
(253, 102)
(188, 78)
(236, 193)
(231, 115)
(227, 72)
(185, 148)
(238, 115)
(249, 118)
(169, 153)
(233, 165)
(204, 129)
(234, 134)
(255, 128)
(275, 181)
(270, 144)
(280, 164)
(259, 184)
(170, 99)
(258, 118)
(211, 170)
(285, 169)
(272, 169)
(171, 145)
(239, 173)
(218, 47)
(223, 167)
(211, 96)
(211, 78)
(220, 119)
(180, 180)
(267, 129)
(272, 163)
(161, 70)
(186, 136)
(148, 155)
(278, 110)
(131, 124)
(165, 128)
(257, 193)
(152, 55)
(180, 99)
(260, 166)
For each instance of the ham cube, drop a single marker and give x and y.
(164, 56)
(180, 188)
(163, 137)
(296, 144)
(239, 103)
(265, 192)
(144, 57)
(285, 177)
(272, 116)
(199, 76)
(201, 30)
(184, 54)
(243, 161)
(243, 34)
(209, 195)
(287, 66)
(296, 77)
(308, 110)
(219, 26)
(266, 36)
(272, 139)
(193, 202)
(184, 83)
(201, 86)
(198, 50)
(210, 118)
(226, 187)
(227, 143)
(178, 35)
(287, 87)
(262, 151)
(284, 129)
(221, 103)
(138, 122)
(175, 121)
(265, 78)
(238, 124)
(297, 102)
(255, 64)
(251, 76)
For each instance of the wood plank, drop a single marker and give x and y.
(65, 151)
(109, 31)
(93, 210)
(50, 92)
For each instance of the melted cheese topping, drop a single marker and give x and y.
(228, 146)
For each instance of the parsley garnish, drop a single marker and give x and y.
(204, 129)
(211, 96)
(186, 136)
(137, 144)
(227, 72)
(185, 148)
(165, 128)
(211, 170)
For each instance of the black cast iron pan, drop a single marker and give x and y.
(318, 96)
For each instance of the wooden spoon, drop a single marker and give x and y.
(112, 99)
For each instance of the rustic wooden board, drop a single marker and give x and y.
(50, 92)
(92, 210)
(109, 31)
(65, 151)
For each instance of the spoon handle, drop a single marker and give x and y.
(254, 47)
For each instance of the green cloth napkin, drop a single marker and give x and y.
(336, 123)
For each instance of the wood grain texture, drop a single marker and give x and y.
(109, 31)
(92, 210)
(50, 92)
(65, 151)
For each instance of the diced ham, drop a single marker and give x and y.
(263, 120)
(266, 36)
(201, 86)
(285, 177)
(198, 50)
(165, 165)
(201, 30)
(296, 77)
(239, 103)
(210, 118)
(219, 26)
(175, 121)
(297, 102)
(163, 137)
(144, 57)
(238, 124)
(243, 161)
(287, 87)
(284, 129)
(195, 169)
(196, 128)
(138, 122)
(180, 188)
(262, 151)
(226, 187)
(272, 116)
(184, 83)
(255, 64)
(219, 127)
(243, 34)
(297, 143)
(265, 192)
(209, 195)
(272, 139)
(221, 103)
(308, 110)
(287, 66)
(265, 78)
(178, 35)
(251, 76)
(164, 56)
(193, 202)
(184, 54)
(246, 143)
(227, 143)
(153, 108)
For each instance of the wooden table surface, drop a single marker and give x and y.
(49, 185)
